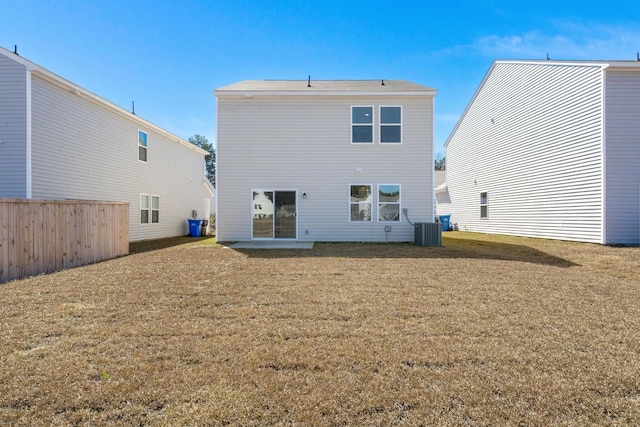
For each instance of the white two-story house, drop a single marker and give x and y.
(549, 149)
(60, 141)
(324, 160)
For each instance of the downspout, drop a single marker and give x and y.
(603, 155)
(216, 178)
(433, 156)
(29, 180)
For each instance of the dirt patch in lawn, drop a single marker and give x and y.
(486, 330)
(154, 245)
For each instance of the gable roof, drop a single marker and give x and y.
(325, 87)
(603, 64)
(80, 91)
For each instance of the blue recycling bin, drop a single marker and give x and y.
(194, 227)
(445, 220)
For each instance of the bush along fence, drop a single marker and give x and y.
(43, 236)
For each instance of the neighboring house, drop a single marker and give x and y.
(443, 201)
(550, 149)
(323, 160)
(60, 141)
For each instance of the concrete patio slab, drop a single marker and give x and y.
(272, 244)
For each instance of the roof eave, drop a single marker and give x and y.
(80, 91)
(208, 187)
(345, 93)
(475, 94)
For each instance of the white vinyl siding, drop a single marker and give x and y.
(622, 151)
(82, 150)
(532, 138)
(13, 129)
(285, 141)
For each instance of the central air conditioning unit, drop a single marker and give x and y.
(428, 234)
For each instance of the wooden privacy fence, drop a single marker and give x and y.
(43, 236)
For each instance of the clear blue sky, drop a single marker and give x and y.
(168, 56)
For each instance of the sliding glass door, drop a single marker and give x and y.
(274, 214)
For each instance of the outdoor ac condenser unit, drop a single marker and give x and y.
(428, 234)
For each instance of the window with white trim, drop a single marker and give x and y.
(390, 124)
(389, 202)
(484, 205)
(155, 209)
(142, 146)
(360, 203)
(144, 209)
(362, 124)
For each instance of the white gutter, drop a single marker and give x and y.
(343, 93)
(89, 96)
(47, 75)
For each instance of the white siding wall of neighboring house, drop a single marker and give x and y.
(13, 128)
(443, 202)
(82, 150)
(531, 139)
(622, 148)
(442, 198)
(304, 144)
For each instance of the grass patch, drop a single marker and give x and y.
(486, 330)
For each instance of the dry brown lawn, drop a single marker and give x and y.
(486, 330)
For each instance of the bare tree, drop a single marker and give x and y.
(440, 162)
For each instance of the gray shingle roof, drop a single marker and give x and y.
(326, 86)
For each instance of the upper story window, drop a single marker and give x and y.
(142, 146)
(360, 203)
(390, 124)
(362, 124)
(389, 202)
(484, 205)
